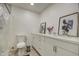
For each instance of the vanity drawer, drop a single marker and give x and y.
(67, 46)
(63, 52)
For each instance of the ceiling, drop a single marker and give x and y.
(37, 7)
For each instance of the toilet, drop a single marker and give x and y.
(21, 44)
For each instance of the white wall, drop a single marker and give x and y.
(51, 15)
(4, 31)
(22, 22)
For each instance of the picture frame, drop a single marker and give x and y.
(43, 28)
(68, 25)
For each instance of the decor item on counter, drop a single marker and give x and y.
(68, 25)
(43, 27)
(50, 29)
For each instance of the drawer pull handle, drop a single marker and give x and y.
(55, 49)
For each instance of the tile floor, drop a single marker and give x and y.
(33, 53)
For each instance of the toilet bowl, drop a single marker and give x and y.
(21, 44)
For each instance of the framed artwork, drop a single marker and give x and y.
(43, 27)
(68, 25)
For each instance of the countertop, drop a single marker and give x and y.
(74, 40)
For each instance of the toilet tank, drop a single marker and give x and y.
(21, 38)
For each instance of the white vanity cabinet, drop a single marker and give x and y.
(53, 46)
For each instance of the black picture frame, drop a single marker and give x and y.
(43, 28)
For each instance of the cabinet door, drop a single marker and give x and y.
(43, 47)
(38, 43)
(49, 44)
(35, 41)
(67, 46)
(63, 52)
(40, 50)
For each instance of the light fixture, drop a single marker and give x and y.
(32, 4)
